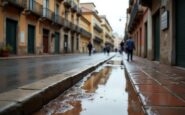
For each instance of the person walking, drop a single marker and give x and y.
(130, 46)
(89, 46)
(108, 49)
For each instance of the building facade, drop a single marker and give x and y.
(107, 33)
(85, 34)
(90, 13)
(163, 31)
(40, 26)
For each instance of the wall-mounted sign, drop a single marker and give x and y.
(164, 20)
(22, 39)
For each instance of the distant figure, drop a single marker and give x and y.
(108, 49)
(89, 46)
(104, 50)
(130, 46)
(122, 45)
(116, 50)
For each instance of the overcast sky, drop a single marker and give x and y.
(115, 11)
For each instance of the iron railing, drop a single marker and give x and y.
(99, 29)
(47, 13)
(79, 11)
(85, 33)
(66, 24)
(17, 3)
(74, 7)
(97, 39)
(133, 15)
(68, 3)
(58, 19)
(35, 7)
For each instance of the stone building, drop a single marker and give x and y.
(162, 27)
(91, 14)
(40, 26)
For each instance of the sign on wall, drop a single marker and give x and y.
(164, 20)
(22, 39)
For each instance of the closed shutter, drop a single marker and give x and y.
(180, 29)
(11, 34)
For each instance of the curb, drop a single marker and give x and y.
(35, 56)
(29, 98)
(131, 82)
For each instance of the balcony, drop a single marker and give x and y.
(34, 8)
(47, 14)
(109, 44)
(67, 24)
(146, 3)
(74, 7)
(73, 27)
(78, 29)
(97, 39)
(67, 3)
(136, 13)
(131, 2)
(60, 0)
(107, 35)
(79, 11)
(58, 20)
(85, 33)
(19, 4)
(97, 28)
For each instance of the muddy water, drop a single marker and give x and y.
(106, 91)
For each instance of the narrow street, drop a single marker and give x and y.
(105, 91)
(19, 72)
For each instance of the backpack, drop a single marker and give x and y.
(130, 45)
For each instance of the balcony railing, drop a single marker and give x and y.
(131, 2)
(58, 19)
(85, 33)
(96, 27)
(67, 24)
(79, 11)
(97, 39)
(146, 3)
(47, 13)
(74, 8)
(17, 3)
(78, 29)
(67, 3)
(35, 8)
(133, 15)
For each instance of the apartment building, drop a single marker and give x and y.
(91, 14)
(40, 26)
(162, 30)
(107, 32)
(85, 34)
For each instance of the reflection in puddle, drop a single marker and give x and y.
(104, 92)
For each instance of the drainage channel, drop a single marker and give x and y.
(105, 91)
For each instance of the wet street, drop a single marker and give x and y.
(17, 72)
(106, 91)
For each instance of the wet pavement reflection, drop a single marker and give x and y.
(106, 91)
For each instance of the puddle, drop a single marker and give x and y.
(104, 92)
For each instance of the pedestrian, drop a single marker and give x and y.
(104, 50)
(122, 46)
(130, 46)
(108, 49)
(89, 46)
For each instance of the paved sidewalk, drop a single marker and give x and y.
(161, 88)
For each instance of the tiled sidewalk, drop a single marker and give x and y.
(161, 88)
